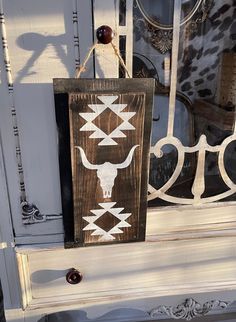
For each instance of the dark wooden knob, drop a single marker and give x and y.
(74, 276)
(105, 34)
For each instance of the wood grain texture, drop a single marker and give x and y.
(137, 271)
(214, 114)
(85, 185)
(227, 80)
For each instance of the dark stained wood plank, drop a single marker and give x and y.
(98, 216)
(126, 189)
(62, 119)
(221, 117)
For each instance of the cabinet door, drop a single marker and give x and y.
(189, 48)
(40, 42)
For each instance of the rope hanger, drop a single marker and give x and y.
(105, 34)
(82, 68)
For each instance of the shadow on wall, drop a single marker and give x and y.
(37, 43)
(81, 316)
(47, 275)
(128, 315)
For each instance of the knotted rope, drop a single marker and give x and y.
(82, 68)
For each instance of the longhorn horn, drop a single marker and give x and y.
(85, 161)
(128, 160)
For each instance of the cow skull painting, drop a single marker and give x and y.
(106, 172)
(104, 128)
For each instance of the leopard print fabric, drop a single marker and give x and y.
(200, 57)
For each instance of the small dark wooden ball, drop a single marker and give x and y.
(105, 34)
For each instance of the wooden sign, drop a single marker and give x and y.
(104, 137)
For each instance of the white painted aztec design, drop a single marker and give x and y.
(107, 139)
(107, 207)
(106, 172)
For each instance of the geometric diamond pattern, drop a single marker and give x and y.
(98, 133)
(107, 221)
(106, 207)
(112, 121)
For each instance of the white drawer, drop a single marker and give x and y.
(129, 271)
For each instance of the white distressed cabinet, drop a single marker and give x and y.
(189, 256)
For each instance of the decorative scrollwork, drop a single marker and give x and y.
(161, 36)
(200, 16)
(160, 39)
(189, 309)
(198, 187)
(32, 215)
(151, 17)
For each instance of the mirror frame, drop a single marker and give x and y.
(169, 27)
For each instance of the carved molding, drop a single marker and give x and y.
(189, 309)
(32, 215)
(160, 39)
(160, 36)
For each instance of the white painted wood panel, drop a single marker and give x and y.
(85, 27)
(40, 39)
(16, 315)
(172, 223)
(106, 62)
(132, 271)
(189, 222)
(164, 224)
(8, 266)
(107, 13)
